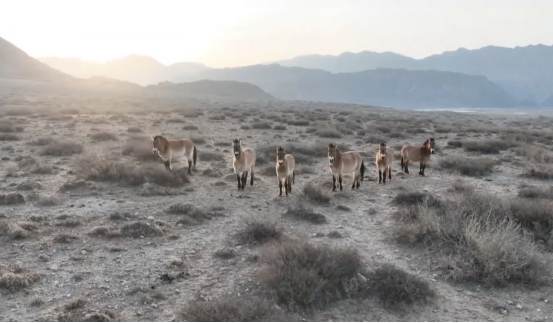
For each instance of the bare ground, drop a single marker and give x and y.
(96, 230)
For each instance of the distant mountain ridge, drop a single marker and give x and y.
(524, 72)
(16, 65)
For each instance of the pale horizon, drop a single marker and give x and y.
(231, 33)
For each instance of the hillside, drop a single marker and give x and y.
(230, 89)
(16, 64)
(384, 87)
(142, 70)
(524, 72)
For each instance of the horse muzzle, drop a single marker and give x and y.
(331, 160)
(432, 151)
(280, 162)
(154, 151)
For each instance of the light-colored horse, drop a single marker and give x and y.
(243, 163)
(345, 162)
(285, 164)
(384, 160)
(417, 154)
(169, 149)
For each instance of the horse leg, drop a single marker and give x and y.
(239, 183)
(333, 183)
(340, 180)
(286, 186)
(379, 176)
(383, 176)
(244, 180)
(420, 169)
(423, 168)
(358, 181)
(189, 167)
(406, 167)
(389, 173)
(354, 180)
(290, 181)
(280, 187)
(251, 176)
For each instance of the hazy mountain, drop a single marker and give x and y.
(231, 89)
(142, 70)
(548, 103)
(16, 64)
(524, 72)
(384, 87)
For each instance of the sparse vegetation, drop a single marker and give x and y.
(13, 278)
(259, 231)
(315, 194)
(469, 166)
(396, 287)
(61, 148)
(103, 136)
(302, 213)
(12, 198)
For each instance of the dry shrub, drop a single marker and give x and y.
(225, 253)
(13, 278)
(49, 200)
(258, 231)
(230, 308)
(469, 166)
(60, 148)
(142, 229)
(12, 198)
(190, 214)
(41, 169)
(8, 137)
(536, 154)
(134, 129)
(543, 173)
(395, 287)
(140, 148)
(334, 234)
(9, 128)
(279, 128)
(315, 195)
(491, 146)
(103, 136)
(189, 127)
(535, 192)
(455, 143)
(415, 198)
(102, 168)
(303, 213)
(261, 125)
(475, 238)
(210, 156)
(536, 215)
(307, 277)
(302, 123)
(328, 132)
(198, 140)
(13, 230)
(65, 238)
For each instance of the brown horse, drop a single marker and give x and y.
(243, 163)
(384, 159)
(345, 162)
(417, 154)
(285, 164)
(169, 149)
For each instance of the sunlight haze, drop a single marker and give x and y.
(229, 33)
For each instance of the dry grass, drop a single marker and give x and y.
(315, 194)
(12, 198)
(490, 146)
(469, 166)
(140, 148)
(102, 168)
(258, 231)
(396, 287)
(8, 137)
(225, 253)
(49, 200)
(13, 278)
(209, 156)
(260, 125)
(229, 308)
(57, 147)
(190, 214)
(474, 239)
(306, 277)
(103, 136)
(303, 213)
(142, 229)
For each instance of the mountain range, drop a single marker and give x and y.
(16, 65)
(487, 77)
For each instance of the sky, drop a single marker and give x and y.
(230, 33)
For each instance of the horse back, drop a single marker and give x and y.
(351, 161)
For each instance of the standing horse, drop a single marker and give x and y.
(285, 164)
(384, 159)
(417, 154)
(345, 162)
(243, 163)
(169, 149)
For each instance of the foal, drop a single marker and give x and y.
(243, 162)
(384, 159)
(417, 154)
(173, 149)
(285, 164)
(345, 162)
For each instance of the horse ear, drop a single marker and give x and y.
(152, 138)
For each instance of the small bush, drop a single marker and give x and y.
(103, 136)
(13, 278)
(534, 192)
(140, 148)
(189, 127)
(261, 125)
(8, 137)
(542, 173)
(493, 146)
(62, 148)
(303, 213)
(230, 308)
(469, 166)
(415, 198)
(279, 127)
(9, 128)
(12, 198)
(259, 231)
(48, 200)
(225, 253)
(328, 132)
(142, 229)
(536, 215)
(306, 277)
(455, 143)
(198, 140)
(134, 129)
(315, 194)
(210, 156)
(396, 287)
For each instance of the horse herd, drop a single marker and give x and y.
(339, 162)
